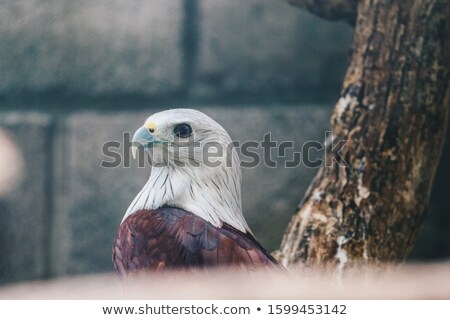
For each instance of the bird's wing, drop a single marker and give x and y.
(169, 238)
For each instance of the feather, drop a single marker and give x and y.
(169, 238)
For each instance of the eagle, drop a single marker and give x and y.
(189, 213)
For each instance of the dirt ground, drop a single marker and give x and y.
(421, 281)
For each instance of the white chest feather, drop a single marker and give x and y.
(212, 194)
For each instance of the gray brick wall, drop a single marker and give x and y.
(161, 48)
(90, 47)
(25, 213)
(74, 74)
(267, 48)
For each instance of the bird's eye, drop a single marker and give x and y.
(182, 130)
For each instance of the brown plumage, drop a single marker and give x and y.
(169, 238)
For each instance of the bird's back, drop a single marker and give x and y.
(170, 238)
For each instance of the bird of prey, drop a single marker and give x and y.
(189, 214)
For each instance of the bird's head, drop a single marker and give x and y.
(185, 138)
(194, 167)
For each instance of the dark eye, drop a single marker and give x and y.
(182, 130)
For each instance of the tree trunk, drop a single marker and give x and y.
(368, 206)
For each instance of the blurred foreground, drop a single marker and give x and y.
(421, 281)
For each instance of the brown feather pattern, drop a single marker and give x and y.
(169, 238)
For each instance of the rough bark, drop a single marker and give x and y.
(392, 113)
(330, 9)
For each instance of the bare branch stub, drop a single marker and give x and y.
(344, 10)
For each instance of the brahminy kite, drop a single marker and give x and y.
(189, 213)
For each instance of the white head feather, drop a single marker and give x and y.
(182, 175)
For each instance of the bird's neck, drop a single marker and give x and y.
(212, 194)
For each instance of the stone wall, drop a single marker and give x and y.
(75, 74)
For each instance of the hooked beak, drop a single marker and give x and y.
(142, 137)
